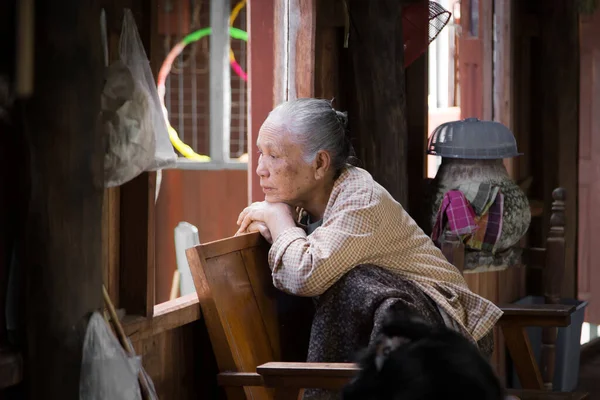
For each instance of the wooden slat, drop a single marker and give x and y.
(417, 113)
(169, 315)
(110, 242)
(302, 29)
(294, 38)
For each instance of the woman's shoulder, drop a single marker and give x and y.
(354, 180)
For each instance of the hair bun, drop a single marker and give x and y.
(342, 117)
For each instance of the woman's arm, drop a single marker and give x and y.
(308, 265)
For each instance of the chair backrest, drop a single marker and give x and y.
(249, 321)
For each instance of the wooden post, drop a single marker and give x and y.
(64, 279)
(260, 17)
(554, 272)
(378, 113)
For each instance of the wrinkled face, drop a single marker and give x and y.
(284, 174)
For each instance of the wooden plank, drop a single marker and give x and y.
(64, 251)
(302, 29)
(137, 205)
(167, 316)
(503, 76)
(280, 51)
(294, 49)
(111, 242)
(378, 117)
(327, 62)
(417, 115)
(566, 17)
(136, 291)
(261, 75)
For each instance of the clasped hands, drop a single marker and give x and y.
(270, 219)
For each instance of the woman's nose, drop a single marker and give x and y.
(261, 169)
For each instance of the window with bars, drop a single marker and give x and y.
(187, 97)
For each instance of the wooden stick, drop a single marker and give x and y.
(145, 386)
(175, 285)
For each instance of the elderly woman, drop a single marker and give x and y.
(339, 236)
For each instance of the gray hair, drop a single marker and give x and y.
(316, 126)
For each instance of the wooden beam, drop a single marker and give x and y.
(302, 30)
(137, 211)
(63, 272)
(503, 73)
(559, 25)
(567, 97)
(137, 266)
(294, 49)
(260, 17)
(378, 112)
(417, 116)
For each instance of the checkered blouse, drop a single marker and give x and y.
(363, 224)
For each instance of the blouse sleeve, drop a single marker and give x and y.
(308, 265)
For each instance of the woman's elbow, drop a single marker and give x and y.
(299, 287)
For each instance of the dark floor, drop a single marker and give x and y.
(589, 373)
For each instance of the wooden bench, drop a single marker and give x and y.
(260, 335)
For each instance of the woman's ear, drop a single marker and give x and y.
(322, 164)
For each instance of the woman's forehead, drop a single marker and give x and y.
(273, 136)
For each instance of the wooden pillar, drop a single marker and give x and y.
(260, 17)
(559, 24)
(64, 223)
(378, 112)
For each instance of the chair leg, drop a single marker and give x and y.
(519, 347)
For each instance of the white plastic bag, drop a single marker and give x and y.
(137, 138)
(106, 370)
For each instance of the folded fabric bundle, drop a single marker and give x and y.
(474, 213)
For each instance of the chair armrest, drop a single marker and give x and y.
(543, 315)
(332, 376)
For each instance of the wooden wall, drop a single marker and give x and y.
(210, 200)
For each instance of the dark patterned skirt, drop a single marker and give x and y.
(349, 316)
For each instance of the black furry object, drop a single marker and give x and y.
(412, 360)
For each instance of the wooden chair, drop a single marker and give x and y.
(260, 335)
(546, 265)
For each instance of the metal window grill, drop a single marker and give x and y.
(188, 86)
